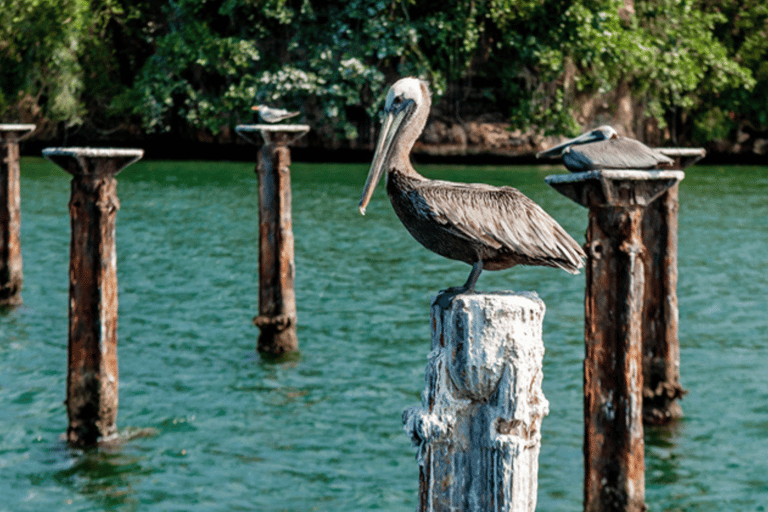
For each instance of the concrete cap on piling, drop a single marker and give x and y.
(93, 161)
(277, 134)
(623, 188)
(11, 132)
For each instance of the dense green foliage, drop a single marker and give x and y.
(193, 66)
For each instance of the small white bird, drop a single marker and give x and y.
(273, 115)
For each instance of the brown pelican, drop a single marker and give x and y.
(273, 115)
(487, 227)
(602, 148)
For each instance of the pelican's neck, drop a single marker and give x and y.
(400, 157)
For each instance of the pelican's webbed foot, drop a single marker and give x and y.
(445, 297)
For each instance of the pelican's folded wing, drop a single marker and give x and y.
(502, 217)
(617, 153)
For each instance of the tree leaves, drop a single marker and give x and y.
(189, 65)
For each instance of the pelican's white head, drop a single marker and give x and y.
(406, 108)
(406, 89)
(604, 132)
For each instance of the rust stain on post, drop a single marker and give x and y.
(277, 299)
(613, 441)
(92, 394)
(11, 276)
(661, 348)
(92, 378)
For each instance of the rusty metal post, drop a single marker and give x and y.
(614, 460)
(92, 379)
(11, 277)
(478, 429)
(277, 301)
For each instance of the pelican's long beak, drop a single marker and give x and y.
(560, 148)
(389, 130)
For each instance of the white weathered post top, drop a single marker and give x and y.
(684, 157)
(13, 132)
(110, 160)
(626, 187)
(478, 429)
(278, 134)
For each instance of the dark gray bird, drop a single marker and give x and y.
(487, 227)
(602, 148)
(273, 115)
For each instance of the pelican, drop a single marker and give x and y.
(491, 228)
(602, 148)
(273, 115)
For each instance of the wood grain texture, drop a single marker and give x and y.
(478, 430)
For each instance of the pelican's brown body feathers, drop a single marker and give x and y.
(476, 222)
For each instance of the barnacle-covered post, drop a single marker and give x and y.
(11, 277)
(277, 300)
(614, 464)
(92, 379)
(478, 429)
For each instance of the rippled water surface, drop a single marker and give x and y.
(322, 431)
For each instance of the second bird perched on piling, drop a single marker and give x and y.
(602, 148)
(273, 115)
(487, 227)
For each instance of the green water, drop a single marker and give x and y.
(323, 431)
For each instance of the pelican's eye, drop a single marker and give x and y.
(398, 100)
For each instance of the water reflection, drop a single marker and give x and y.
(662, 465)
(106, 476)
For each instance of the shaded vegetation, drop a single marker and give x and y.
(692, 71)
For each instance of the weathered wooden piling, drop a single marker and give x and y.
(614, 306)
(478, 430)
(277, 300)
(11, 277)
(661, 348)
(92, 379)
